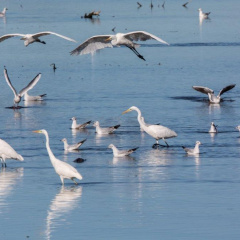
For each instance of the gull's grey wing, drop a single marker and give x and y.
(187, 150)
(93, 44)
(142, 36)
(30, 85)
(204, 90)
(53, 33)
(227, 88)
(84, 124)
(9, 82)
(4, 37)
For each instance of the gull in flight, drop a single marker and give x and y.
(107, 130)
(78, 126)
(75, 146)
(7, 152)
(203, 15)
(31, 38)
(18, 96)
(63, 169)
(121, 153)
(210, 92)
(156, 131)
(192, 151)
(213, 128)
(3, 13)
(98, 42)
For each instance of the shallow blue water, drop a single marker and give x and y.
(155, 193)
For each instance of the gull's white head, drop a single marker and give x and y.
(96, 124)
(111, 146)
(198, 143)
(199, 9)
(238, 128)
(73, 118)
(64, 140)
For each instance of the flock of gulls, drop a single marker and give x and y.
(90, 46)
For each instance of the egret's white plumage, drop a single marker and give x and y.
(98, 42)
(18, 96)
(192, 151)
(210, 92)
(213, 128)
(3, 13)
(121, 153)
(27, 97)
(75, 125)
(203, 15)
(71, 147)
(107, 130)
(156, 131)
(63, 169)
(7, 152)
(31, 38)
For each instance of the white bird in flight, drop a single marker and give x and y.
(210, 92)
(31, 38)
(203, 15)
(98, 42)
(156, 131)
(7, 152)
(121, 153)
(78, 126)
(63, 169)
(72, 147)
(213, 128)
(107, 130)
(3, 13)
(192, 151)
(18, 96)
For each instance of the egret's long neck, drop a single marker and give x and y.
(50, 153)
(139, 117)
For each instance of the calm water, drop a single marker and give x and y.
(153, 194)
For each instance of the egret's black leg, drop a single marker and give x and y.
(136, 52)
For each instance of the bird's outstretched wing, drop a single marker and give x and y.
(30, 85)
(227, 88)
(9, 82)
(4, 37)
(204, 90)
(93, 44)
(142, 36)
(53, 33)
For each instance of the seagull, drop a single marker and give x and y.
(3, 13)
(213, 128)
(73, 146)
(31, 38)
(192, 151)
(63, 169)
(210, 92)
(7, 152)
(98, 42)
(156, 131)
(107, 130)
(33, 98)
(78, 126)
(121, 153)
(238, 128)
(203, 15)
(18, 96)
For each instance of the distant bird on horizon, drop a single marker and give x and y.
(3, 13)
(185, 4)
(213, 128)
(203, 15)
(121, 153)
(193, 151)
(107, 130)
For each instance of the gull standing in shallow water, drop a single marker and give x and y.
(107, 130)
(63, 169)
(210, 92)
(156, 131)
(78, 126)
(3, 13)
(192, 151)
(121, 153)
(213, 128)
(31, 38)
(18, 96)
(203, 15)
(71, 147)
(98, 42)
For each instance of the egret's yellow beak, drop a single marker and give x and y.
(129, 110)
(37, 131)
(108, 39)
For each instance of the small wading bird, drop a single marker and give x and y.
(31, 38)
(18, 96)
(95, 43)
(156, 131)
(78, 126)
(203, 15)
(121, 153)
(7, 152)
(107, 130)
(71, 147)
(213, 128)
(63, 169)
(210, 92)
(192, 151)
(3, 13)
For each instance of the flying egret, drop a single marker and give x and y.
(156, 131)
(71, 147)
(192, 151)
(107, 130)
(98, 42)
(78, 126)
(27, 97)
(3, 13)
(121, 153)
(210, 92)
(18, 96)
(63, 169)
(7, 152)
(213, 128)
(203, 15)
(31, 38)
